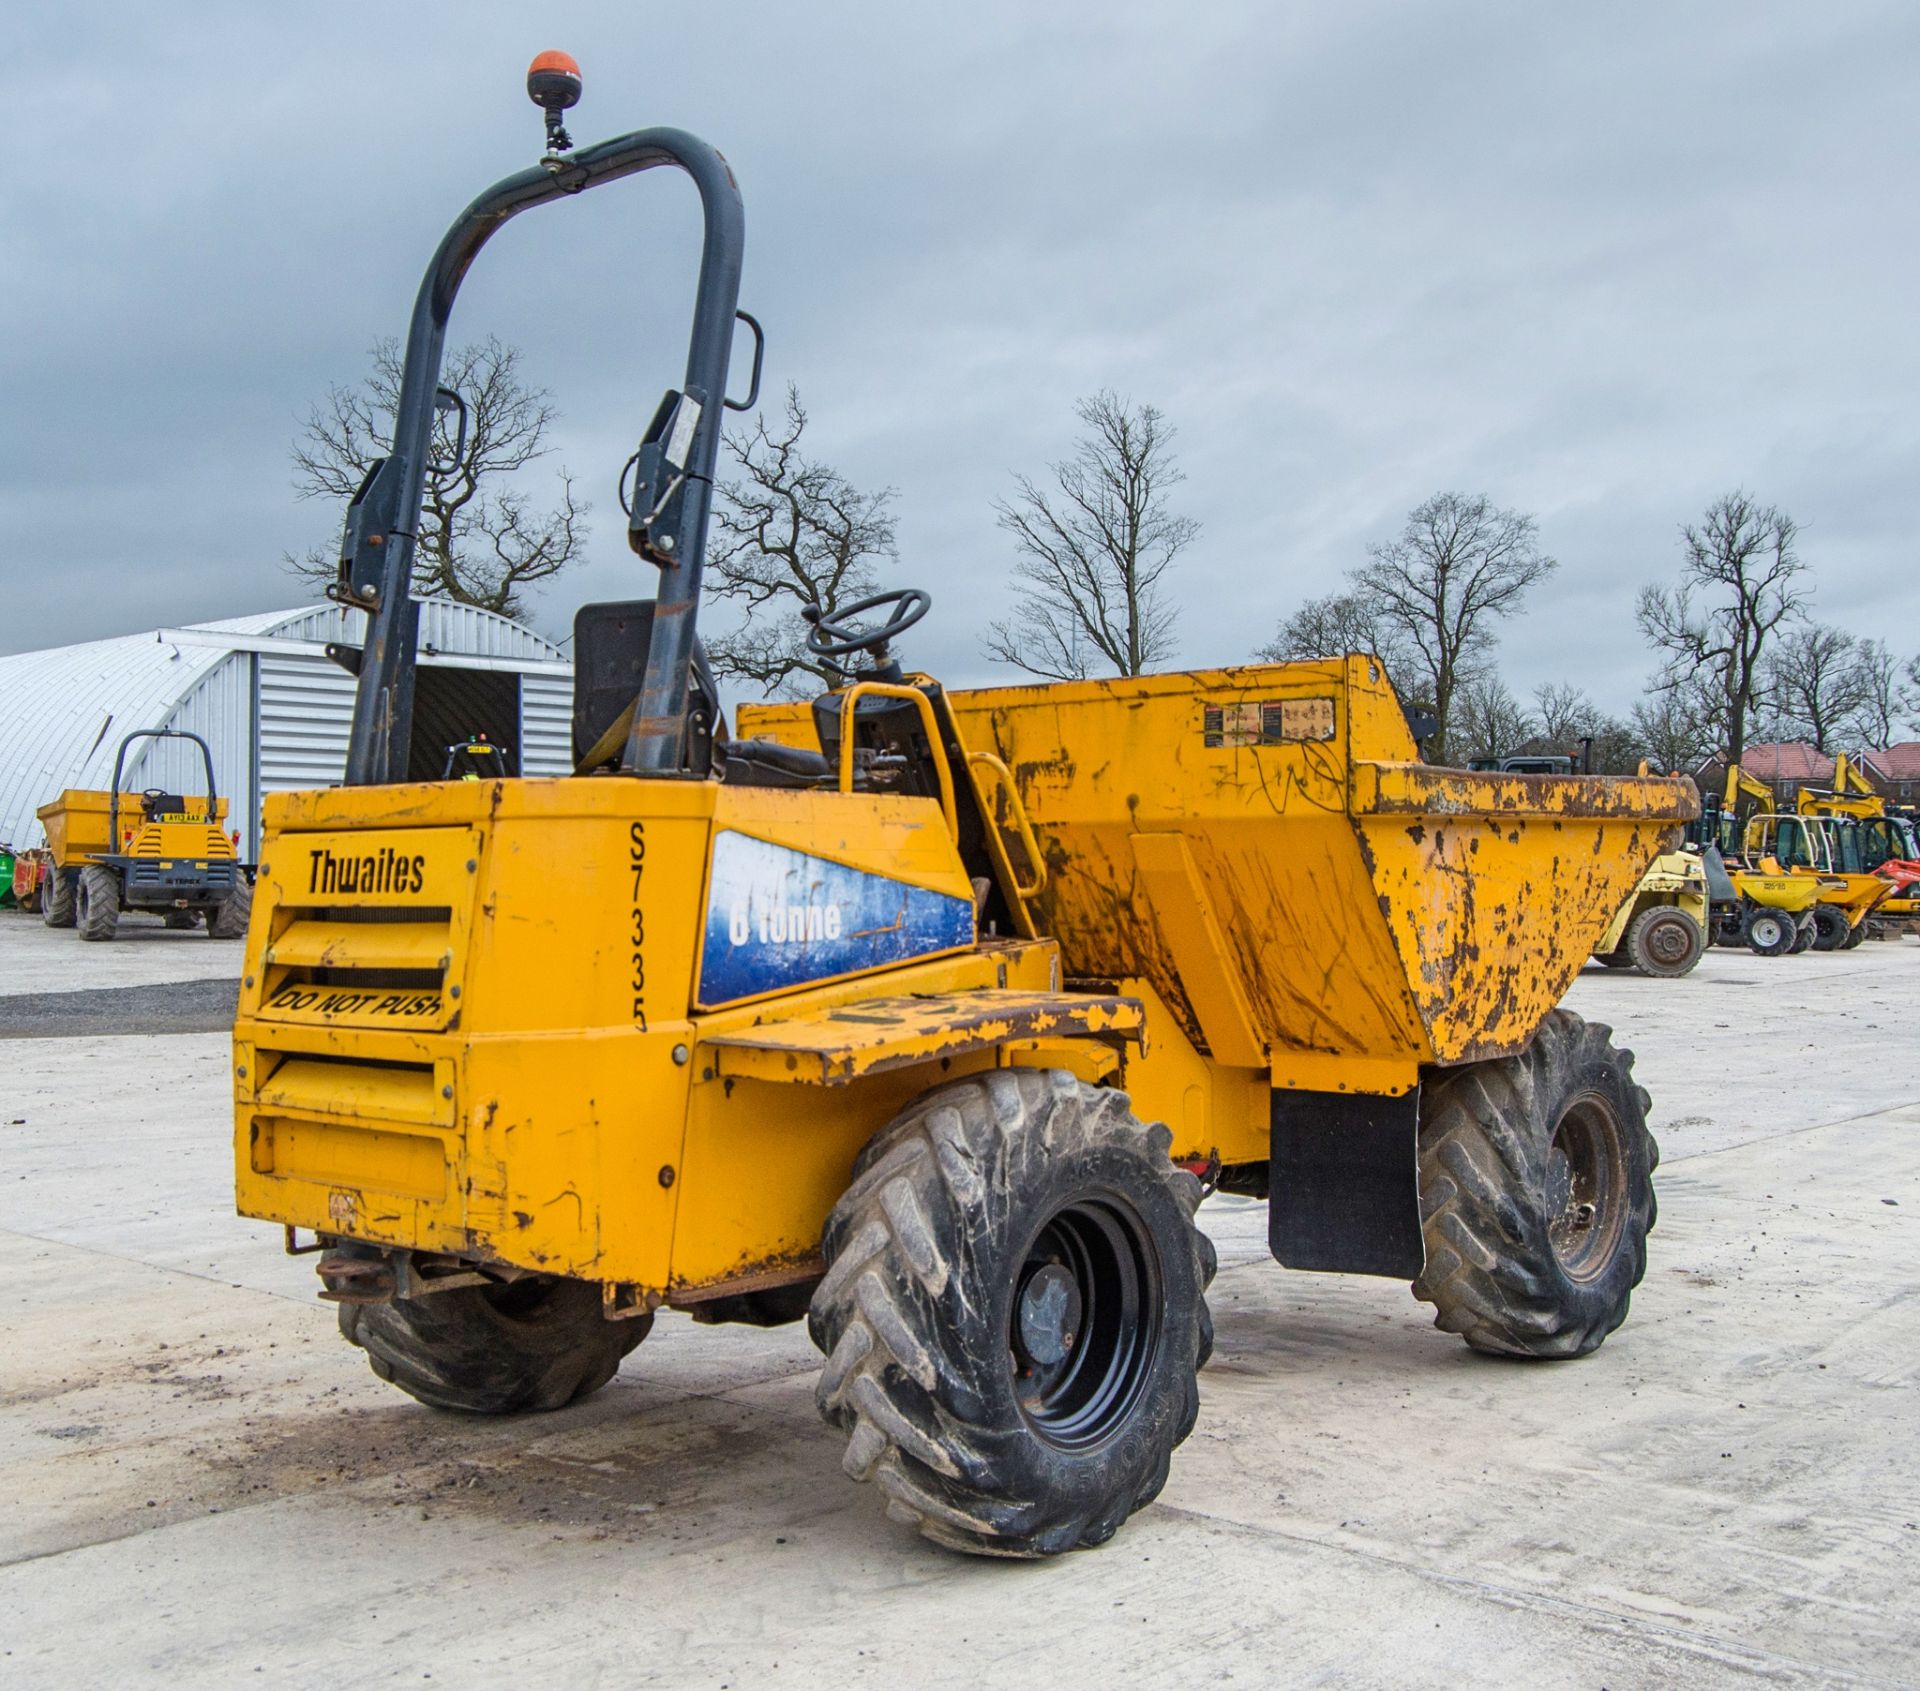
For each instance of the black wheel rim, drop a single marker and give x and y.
(1083, 1327)
(1586, 1186)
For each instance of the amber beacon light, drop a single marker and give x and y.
(554, 84)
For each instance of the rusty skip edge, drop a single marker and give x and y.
(1404, 789)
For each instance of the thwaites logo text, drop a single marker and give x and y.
(385, 870)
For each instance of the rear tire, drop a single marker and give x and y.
(1664, 940)
(497, 1349)
(1856, 934)
(1013, 1313)
(1803, 935)
(228, 919)
(1614, 959)
(56, 902)
(1770, 933)
(1830, 927)
(180, 920)
(1536, 1194)
(1730, 925)
(96, 905)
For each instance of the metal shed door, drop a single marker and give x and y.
(306, 708)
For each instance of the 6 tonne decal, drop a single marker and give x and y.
(779, 918)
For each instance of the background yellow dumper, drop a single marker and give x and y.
(166, 853)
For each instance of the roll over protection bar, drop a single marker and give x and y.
(383, 521)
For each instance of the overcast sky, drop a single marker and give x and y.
(1599, 263)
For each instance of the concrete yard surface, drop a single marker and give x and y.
(201, 1485)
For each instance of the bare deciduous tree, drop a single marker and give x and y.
(1488, 721)
(1459, 567)
(1736, 590)
(1675, 726)
(1815, 684)
(1335, 626)
(1093, 550)
(1565, 713)
(1889, 694)
(789, 534)
(483, 541)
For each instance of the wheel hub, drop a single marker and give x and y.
(1586, 1183)
(1050, 1311)
(1084, 1325)
(1669, 943)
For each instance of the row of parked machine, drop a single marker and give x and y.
(1838, 868)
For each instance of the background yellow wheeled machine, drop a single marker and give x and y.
(160, 852)
(1869, 839)
(1661, 926)
(924, 1017)
(1814, 849)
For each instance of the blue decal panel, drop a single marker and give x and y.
(780, 918)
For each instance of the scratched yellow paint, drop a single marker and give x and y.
(509, 1063)
(1376, 914)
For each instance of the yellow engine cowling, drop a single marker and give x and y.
(508, 1021)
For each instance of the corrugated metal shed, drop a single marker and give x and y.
(262, 692)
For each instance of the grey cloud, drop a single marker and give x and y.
(1601, 264)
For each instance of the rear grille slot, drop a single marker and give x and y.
(319, 1084)
(365, 929)
(336, 962)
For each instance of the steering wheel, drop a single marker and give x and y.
(835, 636)
(150, 799)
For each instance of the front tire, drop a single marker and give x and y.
(1013, 1313)
(96, 909)
(1771, 933)
(495, 1349)
(1665, 941)
(1536, 1194)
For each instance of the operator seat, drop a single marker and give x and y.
(610, 644)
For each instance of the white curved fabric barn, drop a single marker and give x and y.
(271, 704)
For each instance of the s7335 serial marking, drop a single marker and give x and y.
(637, 864)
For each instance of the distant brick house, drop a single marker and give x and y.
(1895, 772)
(1786, 767)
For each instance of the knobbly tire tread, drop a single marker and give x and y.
(56, 904)
(455, 1350)
(97, 903)
(228, 919)
(1786, 928)
(1830, 927)
(1485, 1131)
(912, 1313)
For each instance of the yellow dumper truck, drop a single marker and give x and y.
(928, 1018)
(154, 850)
